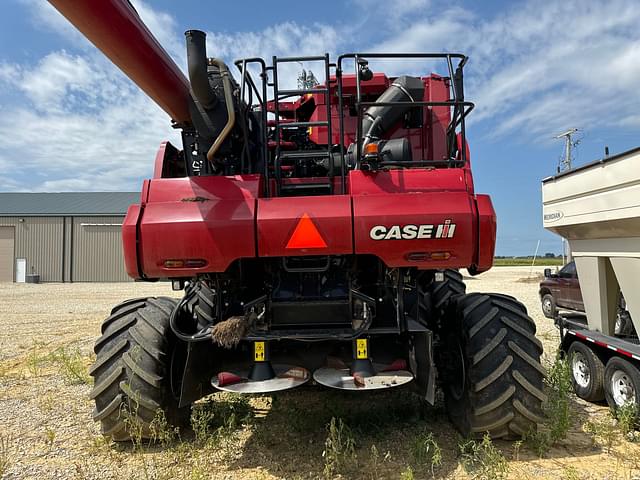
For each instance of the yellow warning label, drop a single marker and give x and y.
(258, 351)
(361, 349)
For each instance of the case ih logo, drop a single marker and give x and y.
(411, 232)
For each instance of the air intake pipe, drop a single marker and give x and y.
(377, 120)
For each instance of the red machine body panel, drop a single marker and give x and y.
(487, 227)
(278, 219)
(426, 218)
(207, 221)
(427, 230)
(416, 180)
(130, 241)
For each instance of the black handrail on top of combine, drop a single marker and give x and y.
(455, 76)
(262, 101)
(461, 108)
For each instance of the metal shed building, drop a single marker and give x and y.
(63, 237)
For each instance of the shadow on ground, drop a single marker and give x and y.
(288, 438)
(285, 434)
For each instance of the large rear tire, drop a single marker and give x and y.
(493, 379)
(434, 297)
(442, 292)
(132, 371)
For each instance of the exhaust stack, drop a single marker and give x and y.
(197, 64)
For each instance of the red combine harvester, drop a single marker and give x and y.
(317, 234)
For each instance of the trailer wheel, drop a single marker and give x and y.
(133, 369)
(493, 379)
(587, 372)
(621, 383)
(549, 308)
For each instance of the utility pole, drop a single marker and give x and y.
(565, 161)
(563, 166)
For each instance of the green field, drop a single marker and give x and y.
(526, 261)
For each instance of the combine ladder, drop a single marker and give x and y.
(322, 185)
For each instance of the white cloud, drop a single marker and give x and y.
(46, 17)
(533, 69)
(536, 68)
(82, 124)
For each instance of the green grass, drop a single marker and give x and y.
(72, 365)
(526, 262)
(339, 448)
(556, 408)
(482, 460)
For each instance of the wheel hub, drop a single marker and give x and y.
(546, 305)
(622, 388)
(580, 370)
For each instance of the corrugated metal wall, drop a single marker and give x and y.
(7, 260)
(97, 248)
(39, 240)
(92, 252)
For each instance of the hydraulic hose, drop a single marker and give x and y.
(200, 336)
(231, 112)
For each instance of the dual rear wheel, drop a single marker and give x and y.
(488, 360)
(618, 382)
(491, 371)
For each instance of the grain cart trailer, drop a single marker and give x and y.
(597, 209)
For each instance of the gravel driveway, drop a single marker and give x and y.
(46, 430)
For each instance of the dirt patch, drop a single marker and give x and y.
(46, 430)
(533, 278)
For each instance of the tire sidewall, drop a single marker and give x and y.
(458, 405)
(588, 391)
(615, 364)
(552, 310)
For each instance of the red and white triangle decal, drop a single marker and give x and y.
(306, 235)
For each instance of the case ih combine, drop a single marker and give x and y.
(317, 234)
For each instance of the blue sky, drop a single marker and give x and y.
(70, 121)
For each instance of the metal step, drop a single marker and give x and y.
(305, 186)
(301, 124)
(290, 93)
(314, 154)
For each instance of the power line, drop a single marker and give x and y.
(569, 144)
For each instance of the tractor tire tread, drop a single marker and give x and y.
(503, 391)
(131, 369)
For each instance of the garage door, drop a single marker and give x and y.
(6, 254)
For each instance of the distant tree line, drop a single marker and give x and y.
(546, 255)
